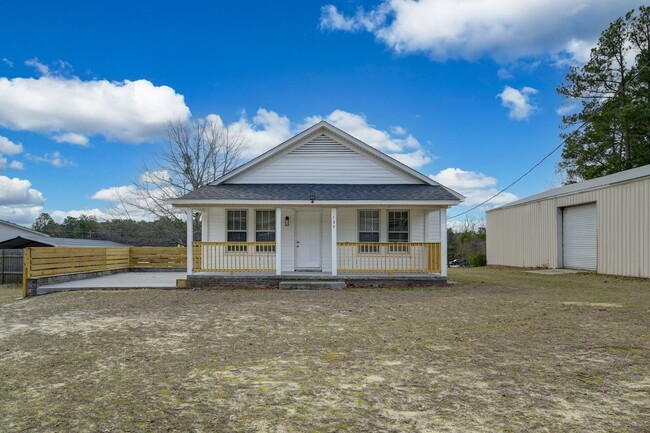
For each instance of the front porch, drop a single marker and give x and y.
(309, 242)
(353, 258)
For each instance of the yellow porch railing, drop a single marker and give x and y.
(233, 257)
(389, 257)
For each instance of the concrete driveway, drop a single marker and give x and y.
(126, 280)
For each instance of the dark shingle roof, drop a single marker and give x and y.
(322, 192)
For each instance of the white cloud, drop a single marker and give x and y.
(38, 66)
(55, 159)
(114, 193)
(20, 215)
(8, 62)
(155, 177)
(18, 192)
(3, 163)
(518, 102)
(414, 160)
(129, 111)
(8, 147)
(475, 186)
(357, 125)
(504, 30)
(72, 138)
(567, 107)
(60, 215)
(267, 129)
(123, 198)
(332, 19)
(16, 165)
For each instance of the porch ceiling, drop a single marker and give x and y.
(321, 192)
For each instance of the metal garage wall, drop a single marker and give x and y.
(527, 235)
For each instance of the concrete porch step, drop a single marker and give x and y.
(312, 285)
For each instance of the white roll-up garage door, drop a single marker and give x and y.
(579, 244)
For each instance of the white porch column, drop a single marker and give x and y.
(204, 225)
(190, 238)
(335, 260)
(443, 242)
(278, 241)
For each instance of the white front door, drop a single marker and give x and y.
(308, 240)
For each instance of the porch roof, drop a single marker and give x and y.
(321, 192)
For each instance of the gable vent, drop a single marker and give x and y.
(322, 144)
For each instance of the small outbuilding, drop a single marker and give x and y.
(9, 230)
(600, 225)
(25, 241)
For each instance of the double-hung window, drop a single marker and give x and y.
(265, 229)
(236, 230)
(368, 230)
(398, 229)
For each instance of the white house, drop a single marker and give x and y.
(600, 225)
(322, 204)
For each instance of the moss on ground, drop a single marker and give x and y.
(501, 350)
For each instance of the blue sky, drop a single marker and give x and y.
(463, 91)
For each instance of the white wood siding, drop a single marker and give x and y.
(288, 240)
(529, 235)
(433, 218)
(323, 159)
(346, 229)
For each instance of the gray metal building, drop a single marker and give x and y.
(599, 225)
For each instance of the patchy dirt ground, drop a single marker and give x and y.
(499, 351)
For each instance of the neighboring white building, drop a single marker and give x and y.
(322, 203)
(599, 225)
(10, 230)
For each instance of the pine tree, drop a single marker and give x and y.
(614, 90)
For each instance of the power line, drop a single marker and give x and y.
(548, 155)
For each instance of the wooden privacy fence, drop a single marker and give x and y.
(389, 257)
(43, 262)
(149, 257)
(11, 266)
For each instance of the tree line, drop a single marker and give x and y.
(163, 232)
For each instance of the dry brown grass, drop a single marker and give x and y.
(501, 351)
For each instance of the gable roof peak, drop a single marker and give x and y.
(348, 139)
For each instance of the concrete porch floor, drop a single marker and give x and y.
(125, 280)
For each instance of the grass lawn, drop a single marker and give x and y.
(501, 350)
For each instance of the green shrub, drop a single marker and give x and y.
(477, 260)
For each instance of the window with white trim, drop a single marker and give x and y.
(265, 229)
(368, 230)
(398, 227)
(236, 228)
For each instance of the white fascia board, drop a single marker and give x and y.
(318, 203)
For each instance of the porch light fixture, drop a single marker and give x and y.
(312, 198)
(286, 221)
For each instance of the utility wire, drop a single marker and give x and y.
(555, 149)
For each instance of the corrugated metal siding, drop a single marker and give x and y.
(324, 160)
(527, 235)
